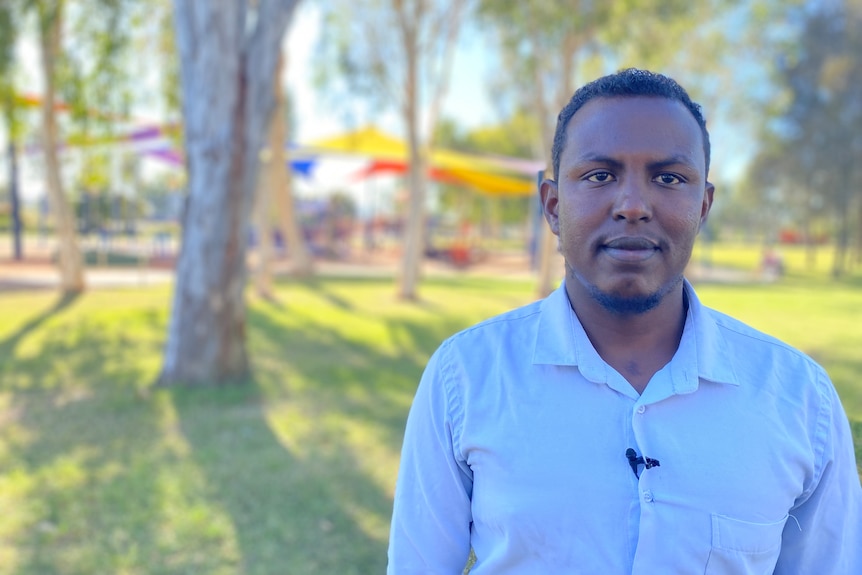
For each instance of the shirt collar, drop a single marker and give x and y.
(561, 340)
(713, 358)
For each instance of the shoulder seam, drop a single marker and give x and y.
(454, 405)
(506, 317)
(744, 330)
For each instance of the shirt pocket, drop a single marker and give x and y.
(743, 548)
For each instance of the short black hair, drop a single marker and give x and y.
(630, 82)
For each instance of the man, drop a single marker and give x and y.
(619, 426)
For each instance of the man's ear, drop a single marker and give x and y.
(708, 192)
(548, 193)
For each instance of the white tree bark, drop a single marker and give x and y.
(263, 226)
(412, 18)
(282, 189)
(414, 222)
(69, 259)
(548, 243)
(274, 190)
(228, 51)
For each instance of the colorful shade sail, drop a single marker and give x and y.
(492, 175)
(387, 154)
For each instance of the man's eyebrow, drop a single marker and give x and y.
(674, 160)
(678, 159)
(598, 159)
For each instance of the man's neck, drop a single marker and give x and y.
(636, 345)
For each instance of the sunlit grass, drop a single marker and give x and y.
(798, 260)
(292, 473)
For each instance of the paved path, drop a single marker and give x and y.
(40, 273)
(23, 277)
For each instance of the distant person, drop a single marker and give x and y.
(620, 426)
(772, 265)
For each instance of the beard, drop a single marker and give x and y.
(627, 305)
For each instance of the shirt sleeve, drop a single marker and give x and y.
(824, 533)
(430, 531)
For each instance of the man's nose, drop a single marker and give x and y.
(632, 202)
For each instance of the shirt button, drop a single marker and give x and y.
(641, 408)
(648, 496)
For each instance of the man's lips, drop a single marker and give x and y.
(630, 249)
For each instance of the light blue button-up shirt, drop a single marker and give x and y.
(516, 446)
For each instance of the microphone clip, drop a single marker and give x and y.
(634, 461)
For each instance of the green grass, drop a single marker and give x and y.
(292, 474)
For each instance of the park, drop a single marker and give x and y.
(206, 366)
(104, 473)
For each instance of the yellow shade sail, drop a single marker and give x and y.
(486, 175)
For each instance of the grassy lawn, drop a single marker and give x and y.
(292, 474)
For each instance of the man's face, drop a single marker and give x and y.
(630, 198)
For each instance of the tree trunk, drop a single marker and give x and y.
(841, 242)
(69, 260)
(282, 189)
(17, 252)
(547, 240)
(228, 55)
(410, 20)
(414, 223)
(263, 226)
(808, 239)
(810, 254)
(859, 227)
(274, 187)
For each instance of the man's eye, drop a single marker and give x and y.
(668, 179)
(600, 177)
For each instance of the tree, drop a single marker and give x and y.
(542, 44)
(8, 38)
(285, 202)
(540, 41)
(515, 136)
(274, 189)
(81, 53)
(71, 264)
(814, 137)
(401, 52)
(228, 51)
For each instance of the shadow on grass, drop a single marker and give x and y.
(78, 439)
(8, 345)
(332, 509)
(111, 479)
(291, 473)
(353, 378)
(289, 512)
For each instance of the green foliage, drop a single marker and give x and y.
(9, 22)
(386, 52)
(166, 60)
(94, 74)
(548, 49)
(516, 137)
(809, 162)
(538, 45)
